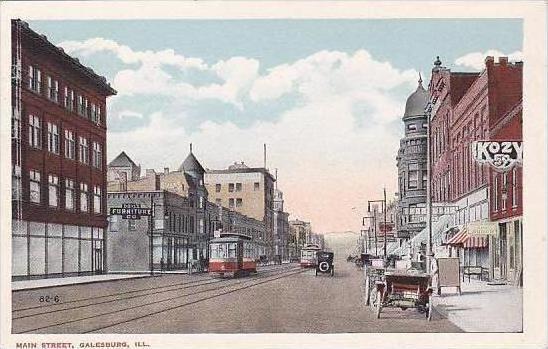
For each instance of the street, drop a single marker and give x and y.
(282, 298)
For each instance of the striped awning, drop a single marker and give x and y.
(464, 239)
(458, 239)
(476, 242)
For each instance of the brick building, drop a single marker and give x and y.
(247, 190)
(58, 158)
(507, 202)
(187, 181)
(466, 107)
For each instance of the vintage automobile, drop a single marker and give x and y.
(325, 263)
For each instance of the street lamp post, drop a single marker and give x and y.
(429, 253)
(374, 218)
(383, 202)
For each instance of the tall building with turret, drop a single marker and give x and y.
(412, 167)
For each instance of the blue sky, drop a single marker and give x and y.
(325, 95)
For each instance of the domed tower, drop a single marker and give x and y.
(411, 162)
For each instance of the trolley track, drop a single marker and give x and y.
(266, 276)
(186, 284)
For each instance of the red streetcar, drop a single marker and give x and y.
(232, 255)
(308, 255)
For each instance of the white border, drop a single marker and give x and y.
(534, 128)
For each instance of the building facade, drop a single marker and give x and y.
(464, 108)
(281, 227)
(246, 190)
(58, 160)
(412, 171)
(187, 182)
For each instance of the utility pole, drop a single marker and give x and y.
(429, 253)
(151, 229)
(384, 247)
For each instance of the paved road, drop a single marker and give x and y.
(278, 299)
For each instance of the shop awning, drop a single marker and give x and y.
(464, 239)
(458, 239)
(476, 242)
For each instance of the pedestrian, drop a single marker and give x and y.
(161, 265)
(434, 271)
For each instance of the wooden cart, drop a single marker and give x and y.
(404, 290)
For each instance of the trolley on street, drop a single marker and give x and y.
(308, 255)
(232, 255)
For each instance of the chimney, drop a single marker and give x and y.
(264, 156)
(166, 170)
(503, 61)
(489, 61)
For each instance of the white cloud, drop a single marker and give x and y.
(327, 164)
(476, 60)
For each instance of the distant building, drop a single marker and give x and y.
(247, 190)
(59, 176)
(281, 226)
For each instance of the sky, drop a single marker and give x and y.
(326, 96)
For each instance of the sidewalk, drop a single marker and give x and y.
(43, 283)
(482, 307)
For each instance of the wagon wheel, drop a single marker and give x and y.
(379, 305)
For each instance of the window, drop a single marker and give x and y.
(413, 176)
(34, 186)
(97, 155)
(85, 111)
(83, 155)
(256, 186)
(53, 190)
(93, 112)
(53, 138)
(504, 189)
(201, 202)
(83, 197)
(514, 187)
(69, 194)
(424, 179)
(412, 127)
(231, 187)
(35, 79)
(231, 203)
(131, 224)
(238, 186)
(218, 202)
(81, 106)
(98, 116)
(53, 89)
(425, 125)
(69, 145)
(232, 250)
(239, 202)
(495, 193)
(97, 199)
(201, 226)
(217, 188)
(35, 132)
(69, 99)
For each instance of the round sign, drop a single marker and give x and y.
(324, 266)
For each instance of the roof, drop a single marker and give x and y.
(191, 164)
(122, 160)
(99, 80)
(416, 102)
(231, 169)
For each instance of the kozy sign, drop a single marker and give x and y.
(502, 155)
(131, 211)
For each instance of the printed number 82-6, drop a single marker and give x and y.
(49, 299)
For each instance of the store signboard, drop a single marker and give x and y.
(502, 155)
(131, 211)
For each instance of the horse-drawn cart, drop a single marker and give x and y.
(404, 289)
